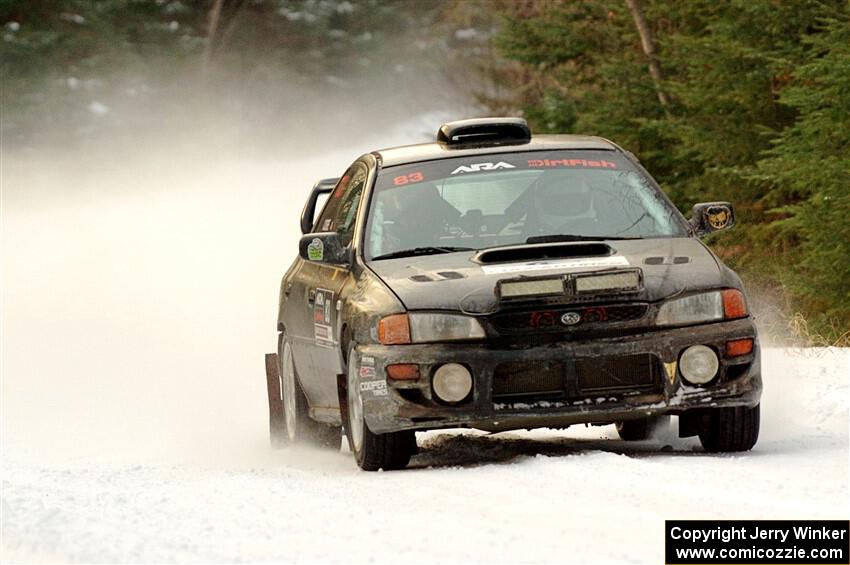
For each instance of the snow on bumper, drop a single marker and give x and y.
(396, 405)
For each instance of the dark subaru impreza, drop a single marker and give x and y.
(498, 281)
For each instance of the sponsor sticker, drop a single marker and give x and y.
(367, 372)
(560, 264)
(478, 167)
(670, 369)
(315, 250)
(585, 163)
(322, 321)
(377, 388)
(718, 217)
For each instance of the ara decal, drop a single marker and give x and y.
(478, 167)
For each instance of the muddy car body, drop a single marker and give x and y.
(498, 281)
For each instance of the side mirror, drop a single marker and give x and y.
(324, 186)
(324, 247)
(708, 217)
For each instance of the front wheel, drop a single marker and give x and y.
(298, 426)
(729, 429)
(389, 451)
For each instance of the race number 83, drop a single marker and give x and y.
(406, 179)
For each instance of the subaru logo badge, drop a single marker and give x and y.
(570, 318)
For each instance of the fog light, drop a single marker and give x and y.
(698, 364)
(452, 382)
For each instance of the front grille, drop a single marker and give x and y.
(575, 379)
(633, 372)
(550, 320)
(539, 378)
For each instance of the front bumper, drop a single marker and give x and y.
(398, 405)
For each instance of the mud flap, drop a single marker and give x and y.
(342, 393)
(277, 422)
(690, 423)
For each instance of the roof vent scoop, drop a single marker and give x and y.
(484, 131)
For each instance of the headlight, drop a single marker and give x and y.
(705, 307)
(425, 327)
(443, 327)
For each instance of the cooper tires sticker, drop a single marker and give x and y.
(377, 388)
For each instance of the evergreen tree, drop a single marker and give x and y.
(730, 100)
(809, 166)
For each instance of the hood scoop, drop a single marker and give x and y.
(542, 251)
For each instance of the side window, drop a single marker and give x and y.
(340, 213)
(326, 218)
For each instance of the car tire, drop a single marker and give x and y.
(635, 430)
(298, 426)
(372, 452)
(729, 429)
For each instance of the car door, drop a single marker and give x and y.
(296, 312)
(323, 284)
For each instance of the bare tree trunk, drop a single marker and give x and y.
(648, 45)
(212, 28)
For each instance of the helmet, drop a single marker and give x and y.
(562, 196)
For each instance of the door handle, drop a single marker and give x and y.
(287, 289)
(311, 296)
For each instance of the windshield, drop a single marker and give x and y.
(484, 201)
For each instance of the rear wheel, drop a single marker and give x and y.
(299, 427)
(635, 430)
(389, 451)
(729, 429)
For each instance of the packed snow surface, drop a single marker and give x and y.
(138, 301)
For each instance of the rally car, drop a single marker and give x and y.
(498, 280)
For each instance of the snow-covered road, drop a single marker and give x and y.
(545, 496)
(137, 304)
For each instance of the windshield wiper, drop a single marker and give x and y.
(571, 237)
(420, 251)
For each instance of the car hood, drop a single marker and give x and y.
(453, 281)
